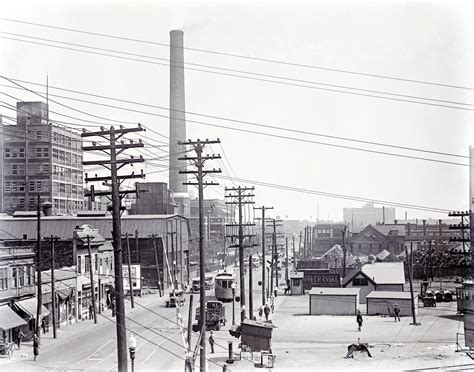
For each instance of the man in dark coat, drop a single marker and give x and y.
(266, 311)
(35, 346)
(359, 320)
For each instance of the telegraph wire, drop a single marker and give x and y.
(238, 71)
(240, 55)
(272, 135)
(246, 77)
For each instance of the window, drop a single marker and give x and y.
(14, 169)
(46, 152)
(87, 264)
(38, 135)
(79, 264)
(21, 276)
(46, 169)
(15, 155)
(296, 282)
(21, 202)
(55, 154)
(3, 278)
(7, 186)
(32, 186)
(22, 152)
(38, 185)
(14, 277)
(21, 186)
(38, 152)
(360, 282)
(14, 186)
(30, 274)
(96, 262)
(7, 153)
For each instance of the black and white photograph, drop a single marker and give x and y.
(236, 185)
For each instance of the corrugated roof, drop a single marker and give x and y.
(64, 226)
(385, 272)
(390, 295)
(328, 291)
(9, 319)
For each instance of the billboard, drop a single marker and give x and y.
(136, 277)
(318, 278)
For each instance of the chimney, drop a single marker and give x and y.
(395, 221)
(177, 112)
(408, 229)
(424, 227)
(440, 225)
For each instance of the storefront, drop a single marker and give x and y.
(9, 320)
(27, 310)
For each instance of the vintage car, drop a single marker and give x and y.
(215, 316)
(176, 299)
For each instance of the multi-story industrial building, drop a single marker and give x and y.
(40, 158)
(357, 219)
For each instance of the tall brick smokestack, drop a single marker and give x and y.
(177, 115)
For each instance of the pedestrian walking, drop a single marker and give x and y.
(359, 320)
(43, 325)
(35, 346)
(19, 338)
(260, 311)
(275, 292)
(211, 342)
(266, 310)
(287, 289)
(91, 310)
(396, 310)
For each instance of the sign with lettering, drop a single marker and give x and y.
(316, 278)
(135, 276)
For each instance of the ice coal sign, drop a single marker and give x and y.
(135, 277)
(316, 278)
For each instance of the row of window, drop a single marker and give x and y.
(14, 169)
(67, 158)
(83, 264)
(73, 191)
(20, 276)
(62, 206)
(39, 152)
(64, 140)
(70, 174)
(16, 186)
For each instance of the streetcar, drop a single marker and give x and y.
(223, 286)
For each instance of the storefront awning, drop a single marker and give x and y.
(29, 307)
(9, 319)
(63, 294)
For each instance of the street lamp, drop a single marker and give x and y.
(233, 302)
(132, 344)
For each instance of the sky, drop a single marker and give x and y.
(429, 41)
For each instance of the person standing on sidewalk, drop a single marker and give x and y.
(396, 310)
(212, 342)
(359, 320)
(266, 310)
(19, 338)
(35, 346)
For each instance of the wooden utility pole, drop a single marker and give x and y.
(286, 268)
(274, 259)
(199, 161)
(39, 295)
(114, 149)
(52, 241)
(158, 276)
(304, 242)
(344, 264)
(240, 197)
(250, 289)
(91, 277)
(129, 264)
(264, 262)
(294, 254)
(410, 274)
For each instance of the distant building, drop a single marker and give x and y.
(40, 158)
(358, 218)
(324, 237)
(375, 239)
(155, 198)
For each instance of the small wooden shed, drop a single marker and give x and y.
(382, 302)
(256, 335)
(333, 301)
(296, 283)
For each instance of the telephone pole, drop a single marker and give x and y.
(114, 149)
(409, 256)
(264, 291)
(241, 196)
(158, 276)
(91, 276)
(198, 161)
(52, 241)
(286, 268)
(344, 265)
(274, 259)
(39, 295)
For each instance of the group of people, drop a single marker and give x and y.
(19, 337)
(266, 309)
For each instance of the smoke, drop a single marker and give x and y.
(195, 25)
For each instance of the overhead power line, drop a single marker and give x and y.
(239, 71)
(275, 135)
(246, 122)
(260, 59)
(334, 195)
(252, 78)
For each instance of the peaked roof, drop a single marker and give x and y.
(391, 230)
(380, 273)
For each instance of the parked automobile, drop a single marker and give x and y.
(176, 298)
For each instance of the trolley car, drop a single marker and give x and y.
(223, 286)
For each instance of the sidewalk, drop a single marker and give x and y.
(67, 332)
